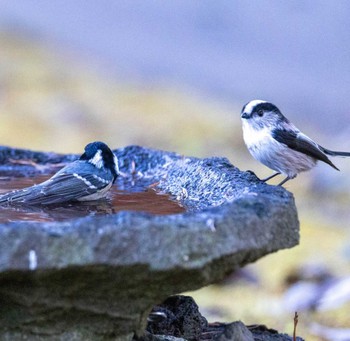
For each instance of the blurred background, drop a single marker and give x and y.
(174, 76)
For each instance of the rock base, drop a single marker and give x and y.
(178, 317)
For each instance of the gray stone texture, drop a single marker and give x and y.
(97, 278)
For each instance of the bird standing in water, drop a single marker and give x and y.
(88, 178)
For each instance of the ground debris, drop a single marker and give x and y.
(179, 317)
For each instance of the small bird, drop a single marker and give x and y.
(88, 178)
(274, 141)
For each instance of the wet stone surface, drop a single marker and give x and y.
(98, 277)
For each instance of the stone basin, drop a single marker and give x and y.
(98, 277)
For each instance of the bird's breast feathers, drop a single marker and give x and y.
(254, 138)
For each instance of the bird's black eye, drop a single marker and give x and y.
(260, 112)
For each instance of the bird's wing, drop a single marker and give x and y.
(68, 187)
(301, 143)
(62, 187)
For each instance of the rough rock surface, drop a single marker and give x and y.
(97, 278)
(178, 316)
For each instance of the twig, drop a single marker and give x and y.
(38, 166)
(295, 326)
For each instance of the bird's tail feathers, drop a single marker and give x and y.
(334, 153)
(16, 196)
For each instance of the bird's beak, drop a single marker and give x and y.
(245, 115)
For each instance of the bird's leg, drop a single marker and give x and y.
(284, 181)
(270, 177)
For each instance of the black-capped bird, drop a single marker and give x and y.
(278, 144)
(88, 178)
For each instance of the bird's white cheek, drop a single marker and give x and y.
(97, 160)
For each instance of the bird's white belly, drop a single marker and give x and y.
(98, 195)
(274, 154)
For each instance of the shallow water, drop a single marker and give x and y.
(131, 198)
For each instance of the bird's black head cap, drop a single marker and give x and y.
(100, 155)
(258, 108)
